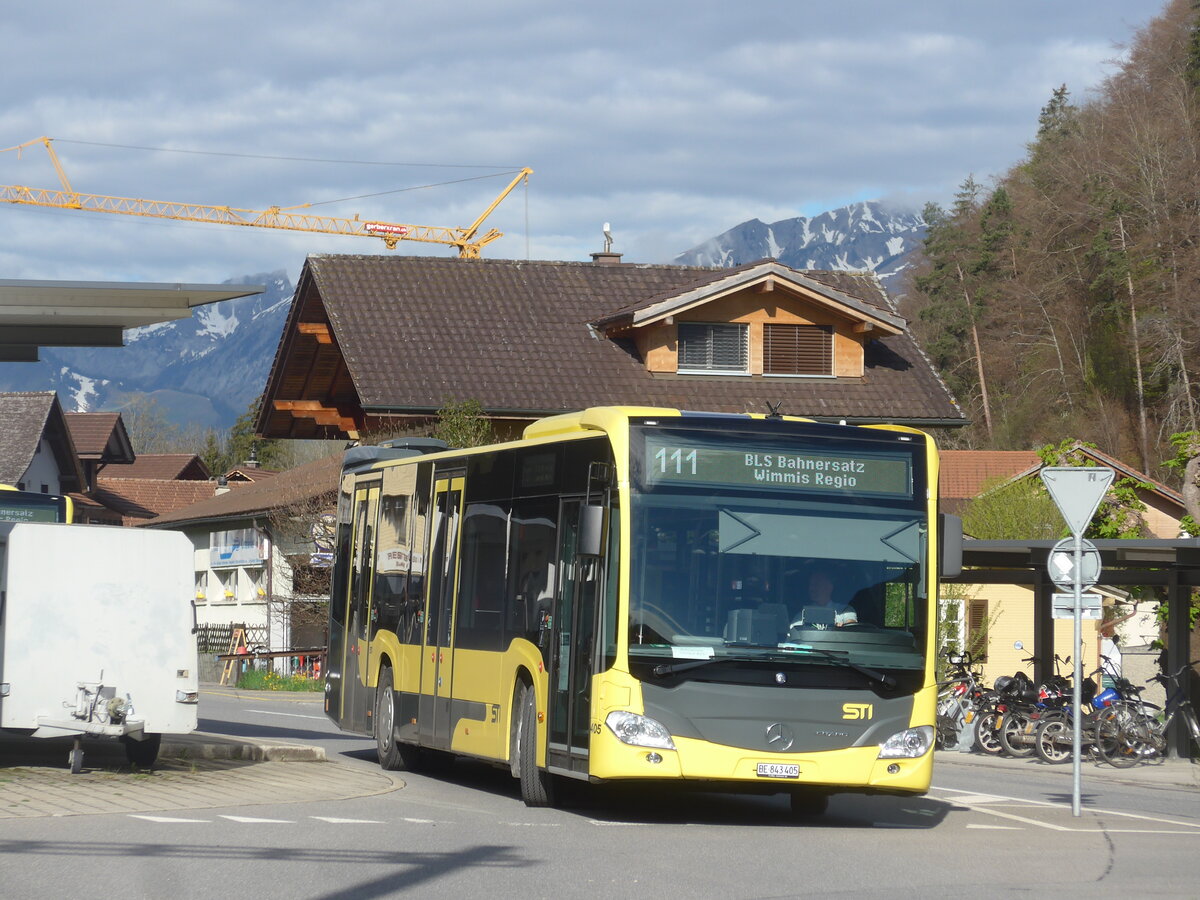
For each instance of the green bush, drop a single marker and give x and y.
(256, 680)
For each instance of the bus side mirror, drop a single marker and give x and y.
(950, 545)
(591, 530)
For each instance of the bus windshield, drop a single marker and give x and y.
(737, 555)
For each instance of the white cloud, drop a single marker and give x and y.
(674, 121)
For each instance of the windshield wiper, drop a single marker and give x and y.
(673, 668)
(837, 659)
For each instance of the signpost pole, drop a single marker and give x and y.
(1077, 690)
(1077, 492)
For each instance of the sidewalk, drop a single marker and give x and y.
(1180, 773)
(194, 771)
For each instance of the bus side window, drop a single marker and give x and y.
(478, 620)
(531, 553)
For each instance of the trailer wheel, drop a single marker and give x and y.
(75, 758)
(142, 754)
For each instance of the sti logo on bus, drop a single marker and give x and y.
(858, 711)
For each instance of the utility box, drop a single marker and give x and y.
(97, 634)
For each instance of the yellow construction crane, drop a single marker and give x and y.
(468, 241)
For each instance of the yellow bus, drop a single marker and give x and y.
(729, 602)
(30, 506)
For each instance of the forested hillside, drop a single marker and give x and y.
(1063, 299)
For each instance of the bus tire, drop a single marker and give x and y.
(537, 785)
(387, 748)
(143, 754)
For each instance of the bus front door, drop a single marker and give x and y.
(435, 724)
(357, 698)
(572, 652)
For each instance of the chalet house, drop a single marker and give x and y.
(254, 555)
(377, 344)
(37, 452)
(997, 615)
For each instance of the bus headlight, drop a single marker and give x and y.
(630, 728)
(908, 744)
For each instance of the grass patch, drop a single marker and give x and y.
(255, 680)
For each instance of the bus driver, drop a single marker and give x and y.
(820, 608)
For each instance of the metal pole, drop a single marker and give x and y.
(1077, 690)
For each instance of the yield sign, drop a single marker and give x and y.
(1077, 492)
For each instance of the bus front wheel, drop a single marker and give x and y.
(537, 785)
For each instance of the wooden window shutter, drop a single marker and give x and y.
(977, 629)
(797, 350)
(705, 347)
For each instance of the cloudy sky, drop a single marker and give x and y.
(672, 120)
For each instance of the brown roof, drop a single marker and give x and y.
(25, 418)
(404, 335)
(138, 499)
(299, 485)
(966, 473)
(89, 511)
(100, 436)
(173, 466)
(249, 473)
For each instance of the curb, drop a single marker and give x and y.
(1177, 773)
(199, 745)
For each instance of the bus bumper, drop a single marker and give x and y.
(851, 769)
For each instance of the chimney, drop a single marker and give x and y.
(252, 462)
(606, 257)
(222, 486)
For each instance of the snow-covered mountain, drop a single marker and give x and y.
(205, 370)
(856, 237)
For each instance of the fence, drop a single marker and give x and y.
(213, 640)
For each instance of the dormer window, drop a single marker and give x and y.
(713, 348)
(797, 350)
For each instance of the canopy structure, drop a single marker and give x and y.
(1172, 565)
(36, 314)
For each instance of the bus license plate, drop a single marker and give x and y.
(778, 770)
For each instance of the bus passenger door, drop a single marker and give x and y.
(572, 651)
(434, 722)
(356, 697)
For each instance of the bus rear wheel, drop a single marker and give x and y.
(392, 753)
(537, 785)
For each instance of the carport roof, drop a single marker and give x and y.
(35, 314)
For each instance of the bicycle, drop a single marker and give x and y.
(1129, 733)
(957, 701)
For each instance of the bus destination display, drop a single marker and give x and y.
(769, 467)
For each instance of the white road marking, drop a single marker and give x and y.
(271, 712)
(978, 802)
(250, 820)
(168, 819)
(333, 821)
(996, 827)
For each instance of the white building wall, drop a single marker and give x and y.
(43, 470)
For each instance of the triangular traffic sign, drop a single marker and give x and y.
(1077, 492)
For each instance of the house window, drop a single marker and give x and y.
(797, 350)
(977, 629)
(713, 348)
(201, 586)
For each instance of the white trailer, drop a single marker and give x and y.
(97, 635)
